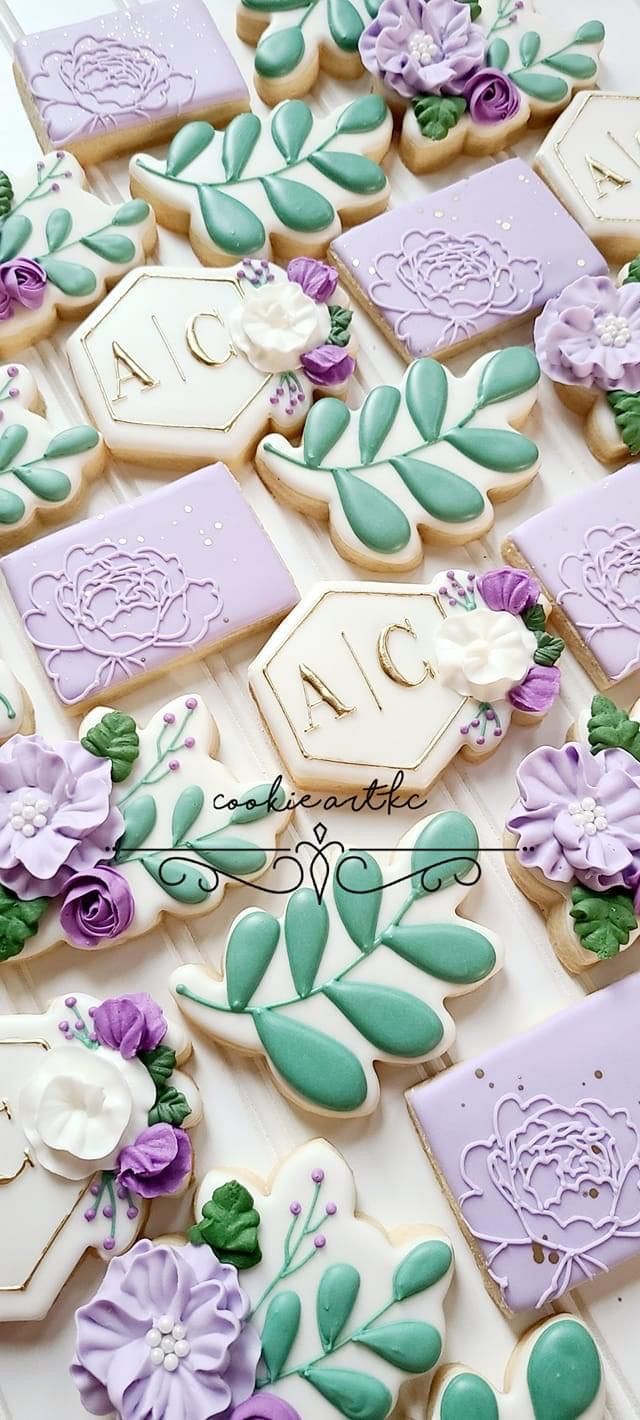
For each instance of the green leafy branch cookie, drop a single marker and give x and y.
(41, 473)
(296, 38)
(555, 1373)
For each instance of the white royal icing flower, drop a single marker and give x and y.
(80, 1106)
(276, 324)
(484, 653)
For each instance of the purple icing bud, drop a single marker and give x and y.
(328, 365)
(96, 906)
(158, 1163)
(491, 96)
(538, 690)
(264, 1407)
(508, 590)
(422, 46)
(23, 281)
(317, 280)
(130, 1024)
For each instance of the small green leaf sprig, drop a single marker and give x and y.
(6, 195)
(230, 1226)
(42, 476)
(626, 410)
(437, 114)
(541, 76)
(18, 921)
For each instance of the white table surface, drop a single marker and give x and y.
(247, 1122)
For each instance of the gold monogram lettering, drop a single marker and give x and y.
(386, 660)
(27, 1163)
(605, 178)
(195, 344)
(326, 696)
(123, 362)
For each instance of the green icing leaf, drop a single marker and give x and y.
(427, 1264)
(115, 737)
(436, 116)
(357, 893)
(258, 803)
(70, 277)
(603, 921)
(611, 728)
(12, 508)
(229, 854)
(362, 115)
(187, 145)
(577, 66)
(186, 810)
(445, 495)
(325, 424)
(475, 8)
(341, 318)
(6, 194)
(281, 1326)
(239, 141)
(290, 127)
(278, 54)
(16, 230)
(232, 226)
(337, 1295)
(446, 848)
(170, 1107)
(507, 373)
(549, 649)
(230, 1225)
(44, 481)
(592, 32)
(378, 522)
(160, 1062)
(111, 246)
(306, 931)
(298, 205)
(540, 86)
(377, 417)
(12, 442)
(394, 1021)
(426, 394)
(502, 450)
(252, 943)
(564, 1374)
(412, 1346)
(535, 619)
(353, 1394)
(139, 816)
(448, 950)
(468, 1395)
(130, 213)
(497, 53)
(59, 224)
(345, 25)
(18, 921)
(350, 170)
(78, 440)
(529, 47)
(315, 1065)
(182, 881)
(626, 407)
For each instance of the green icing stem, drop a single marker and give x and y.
(291, 1261)
(37, 192)
(8, 706)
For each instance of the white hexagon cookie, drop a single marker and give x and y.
(591, 159)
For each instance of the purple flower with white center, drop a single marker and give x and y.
(508, 590)
(130, 1024)
(158, 1163)
(422, 46)
(166, 1335)
(578, 816)
(589, 335)
(316, 278)
(56, 817)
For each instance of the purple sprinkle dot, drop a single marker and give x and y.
(109, 1244)
(497, 733)
(264, 264)
(318, 1176)
(280, 391)
(300, 398)
(475, 724)
(452, 601)
(55, 187)
(79, 1025)
(90, 1214)
(189, 742)
(40, 165)
(93, 1038)
(169, 718)
(132, 1212)
(320, 1241)
(64, 1027)
(92, 1010)
(331, 1210)
(273, 399)
(70, 1001)
(58, 156)
(491, 714)
(464, 729)
(296, 1209)
(471, 577)
(174, 764)
(451, 576)
(121, 1192)
(191, 703)
(13, 393)
(442, 591)
(107, 1211)
(95, 1189)
(480, 740)
(12, 370)
(68, 173)
(289, 409)
(270, 276)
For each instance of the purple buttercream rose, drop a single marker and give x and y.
(23, 281)
(492, 97)
(508, 590)
(121, 1363)
(578, 816)
(158, 1163)
(328, 365)
(589, 335)
(263, 1406)
(537, 692)
(56, 817)
(130, 1024)
(317, 280)
(422, 46)
(97, 906)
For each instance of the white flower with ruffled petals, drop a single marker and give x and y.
(80, 1106)
(484, 653)
(276, 324)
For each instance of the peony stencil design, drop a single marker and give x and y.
(561, 1181)
(599, 591)
(100, 83)
(460, 282)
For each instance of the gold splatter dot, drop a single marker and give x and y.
(538, 1252)
(480, 1074)
(554, 1257)
(598, 1074)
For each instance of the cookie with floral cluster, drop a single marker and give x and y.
(588, 342)
(77, 1177)
(284, 1302)
(469, 77)
(555, 1370)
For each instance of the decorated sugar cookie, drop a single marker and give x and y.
(588, 343)
(284, 1303)
(554, 1370)
(471, 77)
(287, 183)
(100, 86)
(465, 262)
(60, 248)
(412, 463)
(591, 159)
(180, 367)
(366, 680)
(172, 576)
(42, 473)
(573, 835)
(77, 1178)
(337, 984)
(16, 710)
(135, 823)
(584, 553)
(294, 41)
(537, 1143)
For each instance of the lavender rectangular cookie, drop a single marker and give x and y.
(102, 85)
(464, 261)
(585, 552)
(538, 1145)
(169, 577)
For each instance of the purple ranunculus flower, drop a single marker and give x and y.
(317, 279)
(158, 1163)
(97, 906)
(578, 815)
(56, 817)
(212, 1367)
(263, 1406)
(24, 281)
(537, 692)
(422, 46)
(130, 1024)
(492, 96)
(589, 335)
(508, 590)
(328, 365)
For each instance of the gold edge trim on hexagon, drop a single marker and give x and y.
(359, 763)
(153, 423)
(589, 98)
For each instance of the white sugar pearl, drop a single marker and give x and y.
(153, 1337)
(28, 812)
(165, 1324)
(171, 1362)
(167, 1344)
(29, 830)
(590, 829)
(179, 1331)
(182, 1348)
(588, 803)
(42, 806)
(40, 820)
(157, 1356)
(602, 823)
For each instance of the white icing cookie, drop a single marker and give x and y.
(555, 1369)
(172, 828)
(286, 184)
(364, 680)
(60, 248)
(591, 159)
(295, 41)
(42, 472)
(182, 367)
(355, 977)
(74, 1179)
(419, 462)
(16, 710)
